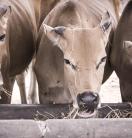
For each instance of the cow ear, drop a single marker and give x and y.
(51, 34)
(4, 16)
(54, 33)
(105, 22)
(59, 30)
(5, 11)
(47, 29)
(127, 44)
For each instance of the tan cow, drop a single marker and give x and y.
(42, 9)
(71, 57)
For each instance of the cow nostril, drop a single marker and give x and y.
(88, 100)
(95, 97)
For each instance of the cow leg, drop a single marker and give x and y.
(6, 94)
(32, 96)
(21, 83)
(8, 83)
(126, 91)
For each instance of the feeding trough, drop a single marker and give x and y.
(60, 111)
(41, 121)
(91, 128)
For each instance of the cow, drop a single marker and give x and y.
(26, 16)
(121, 53)
(20, 78)
(42, 9)
(20, 39)
(72, 53)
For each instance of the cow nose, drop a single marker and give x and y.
(88, 101)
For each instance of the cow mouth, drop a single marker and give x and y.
(88, 110)
(88, 103)
(76, 113)
(81, 113)
(87, 114)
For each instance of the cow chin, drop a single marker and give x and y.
(88, 103)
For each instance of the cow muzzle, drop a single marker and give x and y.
(88, 103)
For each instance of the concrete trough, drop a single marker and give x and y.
(90, 128)
(19, 121)
(52, 111)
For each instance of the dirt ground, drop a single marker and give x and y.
(110, 92)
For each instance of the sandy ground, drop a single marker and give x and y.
(110, 92)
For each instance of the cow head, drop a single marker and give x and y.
(84, 60)
(4, 15)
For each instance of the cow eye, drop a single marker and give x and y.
(68, 62)
(101, 61)
(2, 36)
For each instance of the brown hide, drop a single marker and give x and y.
(20, 36)
(121, 53)
(22, 32)
(117, 7)
(46, 7)
(20, 42)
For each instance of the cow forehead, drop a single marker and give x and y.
(87, 34)
(83, 37)
(83, 43)
(78, 48)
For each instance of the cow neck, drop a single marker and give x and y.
(37, 5)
